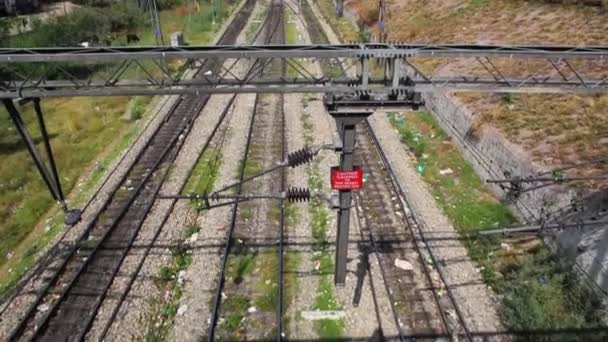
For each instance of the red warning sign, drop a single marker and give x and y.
(346, 180)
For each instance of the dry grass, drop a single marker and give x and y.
(505, 21)
(556, 129)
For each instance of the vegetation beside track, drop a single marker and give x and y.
(204, 175)
(323, 258)
(534, 292)
(87, 134)
(170, 282)
(343, 27)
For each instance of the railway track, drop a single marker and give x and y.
(68, 303)
(215, 142)
(265, 145)
(390, 226)
(390, 231)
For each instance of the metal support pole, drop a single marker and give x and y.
(382, 13)
(364, 72)
(49, 153)
(346, 124)
(346, 164)
(396, 72)
(49, 176)
(152, 7)
(31, 147)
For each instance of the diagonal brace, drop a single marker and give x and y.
(48, 172)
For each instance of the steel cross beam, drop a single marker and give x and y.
(374, 50)
(46, 72)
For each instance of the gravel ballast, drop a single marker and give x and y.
(474, 298)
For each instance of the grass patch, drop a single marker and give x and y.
(236, 309)
(553, 129)
(138, 108)
(246, 210)
(562, 128)
(327, 328)
(204, 175)
(291, 30)
(80, 145)
(165, 306)
(241, 265)
(534, 291)
(291, 34)
(267, 282)
(252, 168)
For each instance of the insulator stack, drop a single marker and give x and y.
(300, 157)
(298, 195)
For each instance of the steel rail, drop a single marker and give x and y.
(88, 321)
(281, 228)
(383, 273)
(402, 336)
(425, 268)
(398, 189)
(159, 228)
(228, 34)
(233, 215)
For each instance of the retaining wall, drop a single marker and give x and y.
(491, 155)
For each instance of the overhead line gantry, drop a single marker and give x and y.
(44, 72)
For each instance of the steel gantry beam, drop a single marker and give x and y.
(374, 50)
(45, 72)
